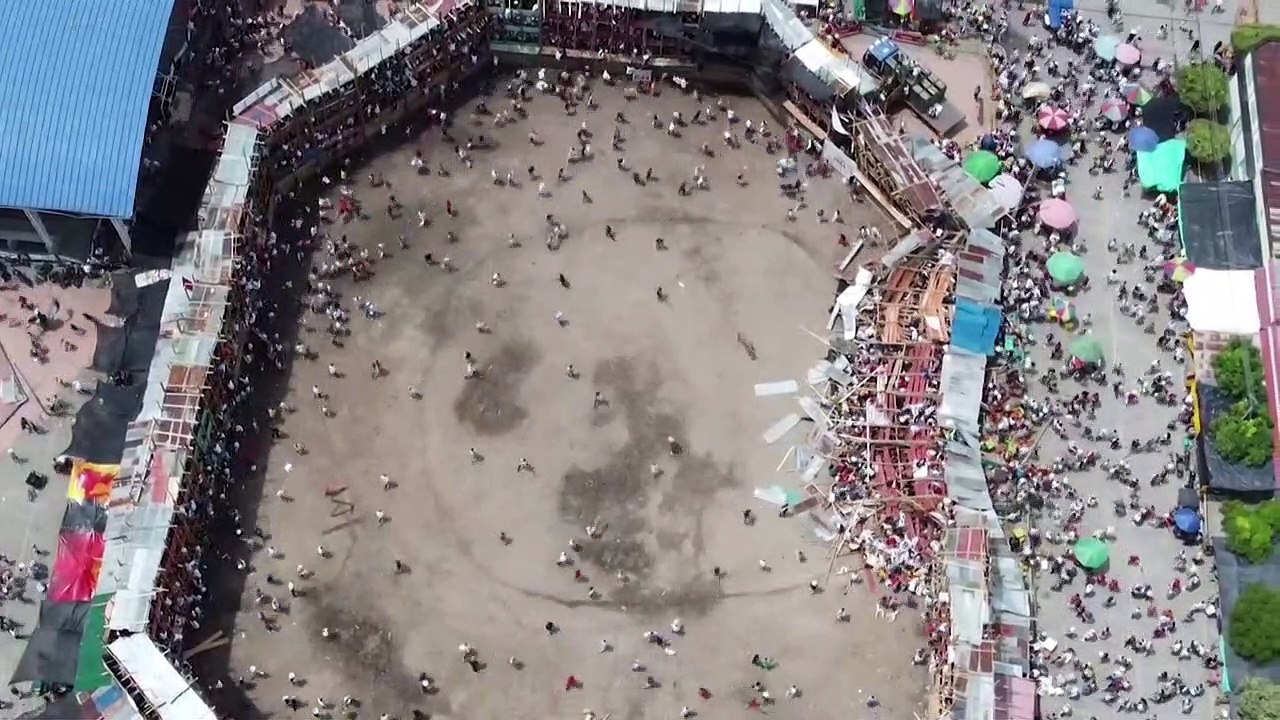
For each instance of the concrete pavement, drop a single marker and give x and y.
(1114, 216)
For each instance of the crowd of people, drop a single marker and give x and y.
(1046, 390)
(1073, 479)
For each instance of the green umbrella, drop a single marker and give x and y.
(1065, 268)
(1092, 553)
(1087, 349)
(983, 166)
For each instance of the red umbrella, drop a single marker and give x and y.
(1053, 119)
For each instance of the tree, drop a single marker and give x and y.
(1259, 700)
(1254, 632)
(1237, 370)
(1208, 142)
(1203, 87)
(1249, 532)
(1247, 37)
(1243, 433)
(1243, 436)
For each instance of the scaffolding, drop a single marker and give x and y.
(885, 156)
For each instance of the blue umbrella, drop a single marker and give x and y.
(1187, 521)
(1044, 153)
(988, 142)
(1143, 139)
(1105, 46)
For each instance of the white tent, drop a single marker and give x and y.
(1222, 301)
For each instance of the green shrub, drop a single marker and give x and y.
(1237, 371)
(1249, 531)
(1247, 37)
(1204, 87)
(1208, 142)
(1244, 433)
(1259, 700)
(1254, 631)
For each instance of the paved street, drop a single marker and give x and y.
(24, 523)
(1114, 217)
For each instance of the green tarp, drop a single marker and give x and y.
(1161, 169)
(91, 672)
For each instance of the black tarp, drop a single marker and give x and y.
(1219, 224)
(84, 517)
(1234, 575)
(1166, 116)
(313, 38)
(98, 433)
(361, 17)
(1222, 476)
(53, 650)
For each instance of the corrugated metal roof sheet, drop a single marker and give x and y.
(77, 77)
(1266, 73)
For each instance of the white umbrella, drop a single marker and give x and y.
(1006, 190)
(1037, 91)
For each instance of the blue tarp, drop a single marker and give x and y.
(975, 327)
(1056, 9)
(76, 79)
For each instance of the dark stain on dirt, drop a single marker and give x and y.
(366, 650)
(490, 404)
(620, 495)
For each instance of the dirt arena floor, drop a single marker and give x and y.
(735, 268)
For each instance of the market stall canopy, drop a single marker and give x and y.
(1218, 222)
(1127, 54)
(1088, 349)
(1105, 46)
(1222, 301)
(1007, 190)
(983, 166)
(1091, 553)
(1044, 153)
(1057, 214)
(1162, 169)
(1143, 139)
(1053, 118)
(1036, 91)
(1065, 268)
(1114, 109)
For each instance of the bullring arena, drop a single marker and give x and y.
(496, 430)
(734, 267)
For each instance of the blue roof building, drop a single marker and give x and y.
(77, 78)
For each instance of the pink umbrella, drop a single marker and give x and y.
(1057, 214)
(1053, 119)
(1127, 54)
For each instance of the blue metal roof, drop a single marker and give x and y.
(75, 83)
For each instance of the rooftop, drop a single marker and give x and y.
(77, 78)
